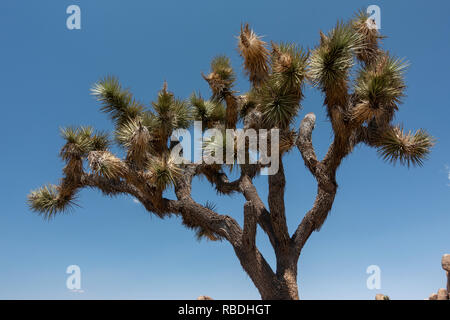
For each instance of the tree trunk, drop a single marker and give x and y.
(285, 287)
(271, 286)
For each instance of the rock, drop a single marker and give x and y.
(448, 281)
(433, 296)
(442, 294)
(446, 262)
(204, 298)
(379, 296)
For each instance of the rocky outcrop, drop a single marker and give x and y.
(443, 294)
(446, 267)
(446, 262)
(433, 296)
(204, 298)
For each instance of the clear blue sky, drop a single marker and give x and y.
(393, 217)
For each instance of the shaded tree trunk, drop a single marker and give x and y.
(281, 285)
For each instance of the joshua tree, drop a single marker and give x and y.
(362, 87)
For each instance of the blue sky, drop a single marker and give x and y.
(393, 217)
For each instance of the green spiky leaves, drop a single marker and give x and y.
(289, 63)
(208, 112)
(278, 97)
(278, 106)
(222, 67)
(367, 29)
(106, 164)
(80, 141)
(116, 101)
(132, 130)
(221, 78)
(394, 145)
(379, 89)
(163, 171)
(331, 62)
(170, 113)
(134, 135)
(48, 201)
(255, 55)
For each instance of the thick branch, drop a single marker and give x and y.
(223, 225)
(304, 142)
(250, 223)
(277, 183)
(259, 271)
(245, 186)
(313, 219)
(198, 215)
(113, 187)
(325, 174)
(218, 179)
(251, 194)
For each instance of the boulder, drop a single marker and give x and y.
(448, 281)
(446, 262)
(204, 298)
(442, 294)
(433, 296)
(379, 296)
(446, 267)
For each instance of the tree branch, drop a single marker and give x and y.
(251, 194)
(313, 219)
(112, 187)
(325, 174)
(304, 142)
(223, 225)
(277, 183)
(250, 223)
(219, 179)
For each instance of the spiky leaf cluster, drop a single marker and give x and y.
(116, 101)
(255, 55)
(125, 133)
(249, 103)
(221, 65)
(277, 106)
(367, 29)
(379, 88)
(331, 62)
(221, 78)
(221, 146)
(136, 138)
(214, 145)
(163, 171)
(106, 164)
(48, 201)
(208, 112)
(80, 141)
(394, 145)
(170, 112)
(289, 66)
